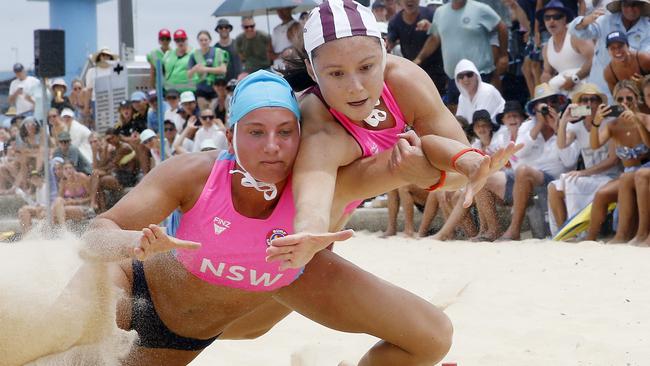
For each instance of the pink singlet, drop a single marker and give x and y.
(370, 141)
(233, 247)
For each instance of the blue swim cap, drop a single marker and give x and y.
(258, 90)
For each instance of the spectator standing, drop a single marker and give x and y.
(253, 47)
(78, 133)
(102, 67)
(66, 151)
(206, 65)
(540, 161)
(629, 17)
(164, 39)
(280, 42)
(176, 64)
(21, 90)
(576, 189)
(409, 28)
(474, 93)
(212, 129)
(226, 43)
(478, 22)
(567, 59)
(625, 64)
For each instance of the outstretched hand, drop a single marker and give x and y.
(478, 168)
(154, 240)
(296, 250)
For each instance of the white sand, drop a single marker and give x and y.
(520, 303)
(525, 303)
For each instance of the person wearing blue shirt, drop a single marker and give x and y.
(152, 113)
(627, 16)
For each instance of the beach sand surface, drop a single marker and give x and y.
(511, 303)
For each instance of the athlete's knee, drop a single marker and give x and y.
(437, 340)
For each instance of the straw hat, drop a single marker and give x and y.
(615, 6)
(105, 51)
(590, 89)
(542, 91)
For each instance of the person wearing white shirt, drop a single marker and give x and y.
(540, 161)
(210, 131)
(475, 94)
(279, 39)
(78, 134)
(21, 90)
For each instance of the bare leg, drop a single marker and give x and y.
(558, 205)
(604, 196)
(487, 213)
(430, 211)
(58, 211)
(94, 188)
(342, 296)
(642, 183)
(626, 209)
(526, 178)
(25, 217)
(457, 213)
(393, 210)
(526, 69)
(406, 202)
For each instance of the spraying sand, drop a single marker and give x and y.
(517, 303)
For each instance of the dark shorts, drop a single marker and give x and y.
(207, 94)
(510, 183)
(152, 332)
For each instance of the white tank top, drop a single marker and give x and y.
(567, 58)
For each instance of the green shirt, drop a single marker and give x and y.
(176, 71)
(254, 51)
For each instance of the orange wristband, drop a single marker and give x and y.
(463, 152)
(441, 181)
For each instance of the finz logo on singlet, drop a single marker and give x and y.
(220, 225)
(274, 234)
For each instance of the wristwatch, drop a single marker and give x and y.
(575, 78)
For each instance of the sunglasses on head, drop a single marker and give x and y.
(207, 117)
(553, 16)
(464, 75)
(248, 26)
(586, 100)
(626, 99)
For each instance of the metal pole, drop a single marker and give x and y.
(45, 142)
(159, 111)
(125, 26)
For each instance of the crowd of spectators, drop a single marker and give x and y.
(565, 80)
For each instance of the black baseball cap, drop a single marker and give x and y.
(18, 67)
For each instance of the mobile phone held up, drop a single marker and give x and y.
(580, 111)
(615, 110)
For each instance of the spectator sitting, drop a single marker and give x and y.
(78, 133)
(576, 189)
(633, 153)
(151, 141)
(70, 153)
(21, 91)
(210, 129)
(164, 39)
(175, 64)
(540, 160)
(171, 135)
(642, 176)
(474, 93)
(74, 197)
(407, 197)
(625, 64)
(226, 43)
(59, 99)
(280, 42)
(253, 47)
(140, 105)
(379, 11)
(77, 101)
(206, 65)
(36, 200)
(172, 114)
(565, 56)
(629, 17)
(409, 28)
(102, 159)
(189, 109)
(9, 168)
(29, 147)
(152, 113)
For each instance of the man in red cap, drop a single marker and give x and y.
(175, 64)
(164, 38)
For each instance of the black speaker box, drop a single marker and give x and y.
(49, 52)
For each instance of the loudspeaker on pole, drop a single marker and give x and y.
(49, 52)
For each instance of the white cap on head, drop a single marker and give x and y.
(67, 112)
(335, 19)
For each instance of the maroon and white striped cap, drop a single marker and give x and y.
(335, 19)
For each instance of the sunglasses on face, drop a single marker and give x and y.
(180, 40)
(222, 27)
(169, 129)
(172, 97)
(207, 117)
(625, 99)
(52, 116)
(464, 75)
(548, 17)
(64, 142)
(164, 39)
(587, 100)
(248, 26)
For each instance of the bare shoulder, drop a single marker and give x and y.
(412, 88)
(316, 118)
